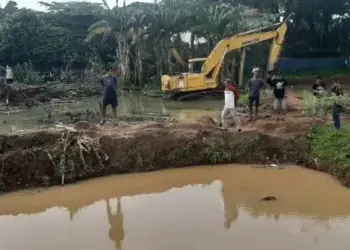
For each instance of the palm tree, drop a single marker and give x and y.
(117, 23)
(167, 19)
(138, 38)
(214, 22)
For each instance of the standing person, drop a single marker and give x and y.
(231, 98)
(109, 84)
(9, 75)
(336, 90)
(278, 83)
(319, 88)
(255, 85)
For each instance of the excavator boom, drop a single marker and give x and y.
(208, 78)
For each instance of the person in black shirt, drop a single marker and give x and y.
(109, 96)
(319, 88)
(279, 84)
(336, 90)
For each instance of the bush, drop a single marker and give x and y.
(332, 147)
(24, 73)
(320, 106)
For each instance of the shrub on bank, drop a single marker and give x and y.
(321, 106)
(332, 147)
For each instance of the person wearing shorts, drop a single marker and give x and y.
(278, 84)
(109, 97)
(255, 85)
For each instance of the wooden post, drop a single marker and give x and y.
(241, 70)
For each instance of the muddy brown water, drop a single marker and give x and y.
(15, 120)
(198, 208)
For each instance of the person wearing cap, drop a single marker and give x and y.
(231, 97)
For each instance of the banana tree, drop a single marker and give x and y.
(167, 19)
(117, 23)
(214, 22)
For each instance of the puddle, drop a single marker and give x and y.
(200, 208)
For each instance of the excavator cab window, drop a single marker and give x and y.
(195, 65)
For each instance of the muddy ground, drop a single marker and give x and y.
(32, 95)
(51, 157)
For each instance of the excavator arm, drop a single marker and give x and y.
(208, 79)
(212, 66)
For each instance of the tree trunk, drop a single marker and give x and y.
(159, 64)
(139, 65)
(123, 57)
(193, 52)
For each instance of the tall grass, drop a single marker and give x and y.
(25, 73)
(330, 146)
(321, 106)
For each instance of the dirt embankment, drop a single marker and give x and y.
(52, 157)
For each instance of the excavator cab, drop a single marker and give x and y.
(195, 65)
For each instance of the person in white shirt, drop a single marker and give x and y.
(9, 75)
(230, 106)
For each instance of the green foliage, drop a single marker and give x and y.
(26, 74)
(321, 106)
(138, 38)
(243, 100)
(330, 146)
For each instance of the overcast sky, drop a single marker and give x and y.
(33, 4)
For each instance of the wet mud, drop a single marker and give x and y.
(51, 157)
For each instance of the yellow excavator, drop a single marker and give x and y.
(208, 77)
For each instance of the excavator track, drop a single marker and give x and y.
(192, 96)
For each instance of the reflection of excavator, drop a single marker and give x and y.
(204, 78)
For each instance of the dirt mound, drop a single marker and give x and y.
(284, 125)
(53, 157)
(207, 120)
(83, 125)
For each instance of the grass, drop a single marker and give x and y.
(332, 147)
(314, 73)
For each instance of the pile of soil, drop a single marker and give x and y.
(51, 157)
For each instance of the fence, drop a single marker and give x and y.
(291, 65)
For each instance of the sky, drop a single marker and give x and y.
(33, 4)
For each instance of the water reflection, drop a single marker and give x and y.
(116, 231)
(230, 207)
(130, 104)
(196, 208)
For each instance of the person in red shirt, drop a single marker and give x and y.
(231, 98)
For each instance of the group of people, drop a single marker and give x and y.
(255, 84)
(278, 83)
(320, 90)
(274, 79)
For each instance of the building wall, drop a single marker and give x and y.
(291, 65)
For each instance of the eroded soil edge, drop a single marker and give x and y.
(51, 157)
